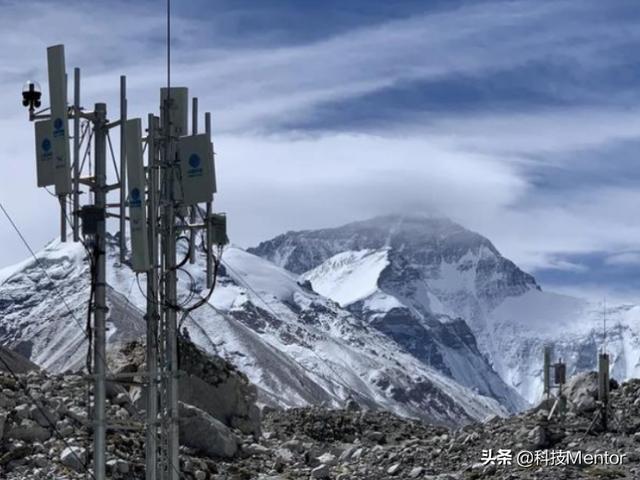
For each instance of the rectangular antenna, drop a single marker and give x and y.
(44, 154)
(179, 109)
(196, 168)
(59, 118)
(140, 261)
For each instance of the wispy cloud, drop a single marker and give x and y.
(485, 112)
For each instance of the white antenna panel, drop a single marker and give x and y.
(59, 119)
(196, 168)
(179, 109)
(140, 261)
(44, 154)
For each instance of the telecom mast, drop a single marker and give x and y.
(178, 178)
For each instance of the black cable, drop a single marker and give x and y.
(26, 244)
(93, 276)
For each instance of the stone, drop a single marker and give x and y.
(538, 437)
(74, 458)
(43, 416)
(206, 434)
(3, 420)
(321, 471)
(416, 472)
(394, 469)
(29, 431)
(327, 459)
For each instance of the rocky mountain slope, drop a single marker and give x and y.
(298, 347)
(431, 285)
(319, 443)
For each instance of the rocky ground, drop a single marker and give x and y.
(45, 434)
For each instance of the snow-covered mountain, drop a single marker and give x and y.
(297, 346)
(432, 285)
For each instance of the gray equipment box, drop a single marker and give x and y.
(59, 119)
(44, 154)
(196, 169)
(179, 115)
(218, 225)
(140, 261)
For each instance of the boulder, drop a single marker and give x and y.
(74, 458)
(217, 387)
(29, 431)
(203, 433)
(582, 392)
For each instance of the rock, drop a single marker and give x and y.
(374, 436)
(394, 469)
(29, 431)
(3, 420)
(538, 437)
(255, 449)
(40, 460)
(416, 472)
(74, 458)
(22, 411)
(321, 471)
(582, 391)
(327, 459)
(352, 405)
(200, 475)
(43, 416)
(206, 434)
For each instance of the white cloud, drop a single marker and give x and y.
(624, 259)
(472, 169)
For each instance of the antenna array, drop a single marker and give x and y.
(179, 176)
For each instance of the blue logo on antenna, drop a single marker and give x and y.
(58, 127)
(46, 144)
(196, 166)
(194, 161)
(134, 198)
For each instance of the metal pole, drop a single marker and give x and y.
(63, 220)
(170, 300)
(545, 373)
(123, 167)
(192, 213)
(152, 310)
(603, 386)
(76, 154)
(209, 267)
(99, 433)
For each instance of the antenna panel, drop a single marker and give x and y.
(179, 109)
(59, 119)
(140, 261)
(44, 154)
(196, 168)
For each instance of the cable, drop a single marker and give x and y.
(45, 415)
(26, 244)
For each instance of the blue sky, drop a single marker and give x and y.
(519, 119)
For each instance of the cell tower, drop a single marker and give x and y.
(164, 200)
